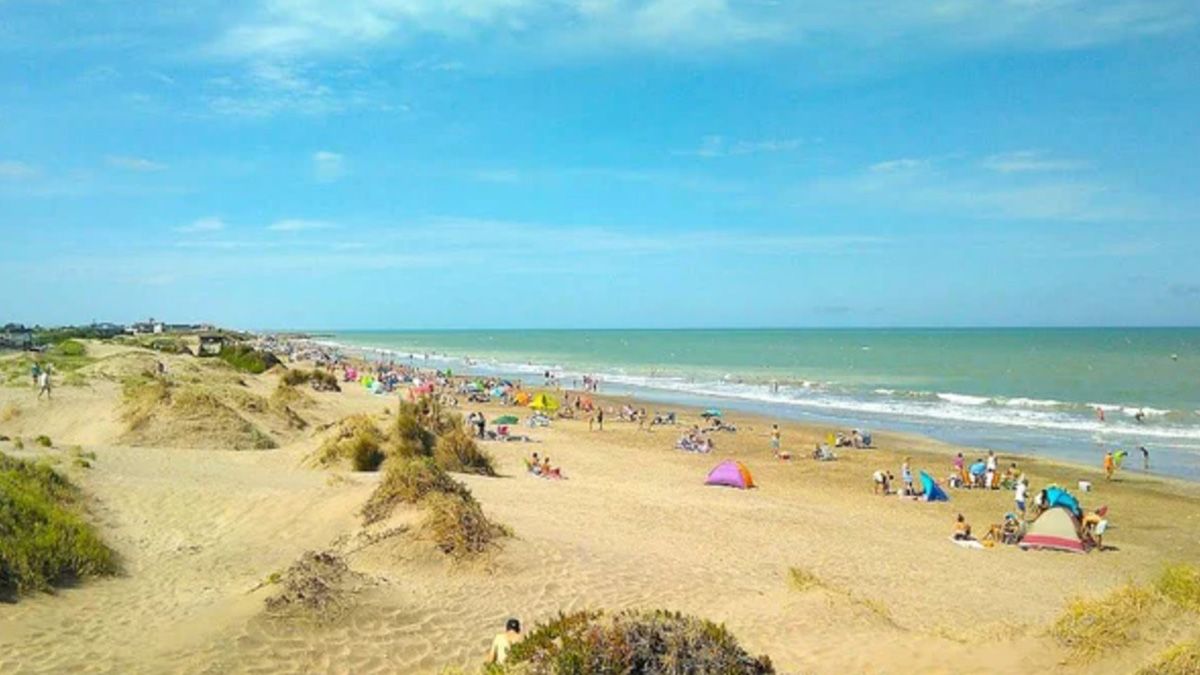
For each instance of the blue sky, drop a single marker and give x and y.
(601, 163)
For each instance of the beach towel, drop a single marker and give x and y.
(967, 543)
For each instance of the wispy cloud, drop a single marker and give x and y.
(14, 170)
(200, 225)
(140, 164)
(895, 165)
(268, 88)
(328, 166)
(299, 225)
(1030, 161)
(719, 146)
(295, 28)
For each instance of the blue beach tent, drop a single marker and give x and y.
(933, 492)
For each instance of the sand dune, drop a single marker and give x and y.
(632, 526)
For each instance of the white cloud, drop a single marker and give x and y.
(298, 225)
(209, 224)
(328, 166)
(14, 170)
(894, 165)
(1030, 161)
(269, 88)
(719, 146)
(134, 163)
(291, 28)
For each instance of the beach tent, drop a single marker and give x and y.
(544, 402)
(522, 398)
(933, 491)
(731, 474)
(1056, 496)
(498, 392)
(1057, 529)
(711, 412)
(417, 392)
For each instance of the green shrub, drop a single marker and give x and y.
(45, 540)
(43, 440)
(411, 436)
(455, 450)
(1181, 584)
(295, 378)
(70, 348)
(248, 359)
(323, 381)
(632, 642)
(358, 440)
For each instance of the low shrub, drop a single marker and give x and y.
(318, 587)
(70, 348)
(295, 378)
(802, 580)
(248, 359)
(358, 440)
(1090, 628)
(43, 440)
(455, 450)
(45, 541)
(633, 642)
(408, 482)
(324, 381)
(1180, 584)
(457, 525)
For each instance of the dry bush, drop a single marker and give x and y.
(1182, 659)
(318, 587)
(457, 525)
(157, 412)
(657, 642)
(455, 450)
(357, 440)
(802, 580)
(407, 482)
(1090, 628)
(1180, 584)
(43, 440)
(10, 412)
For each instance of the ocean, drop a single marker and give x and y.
(1034, 390)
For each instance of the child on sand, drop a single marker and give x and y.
(962, 529)
(883, 483)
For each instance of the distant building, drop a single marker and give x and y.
(148, 327)
(211, 344)
(106, 330)
(16, 336)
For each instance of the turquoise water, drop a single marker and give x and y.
(1035, 390)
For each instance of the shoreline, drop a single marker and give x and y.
(1007, 440)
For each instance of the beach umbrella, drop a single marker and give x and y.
(506, 419)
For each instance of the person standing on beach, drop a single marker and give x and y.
(1145, 458)
(44, 383)
(776, 439)
(1019, 497)
(35, 371)
(991, 469)
(906, 475)
(1109, 465)
(600, 417)
(958, 469)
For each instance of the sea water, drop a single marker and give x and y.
(1030, 390)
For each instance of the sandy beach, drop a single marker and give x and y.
(199, 526)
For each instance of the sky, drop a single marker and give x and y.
(416, 164)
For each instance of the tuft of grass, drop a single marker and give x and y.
(802, 579)
(141, 396)
(456, 451)
(458, 526)
(358, 440)
(10, 412)
(1180, 584)
(408, 482)
(1091, 628)
(46, 541)
(18, 444)
(43, 440)
(1182, 659)
(633, 642)
(319, 587)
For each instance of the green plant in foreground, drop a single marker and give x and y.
(1090, 628)
(43, 440)
(1180, 584)
(633, 642)
(1182, 659)
(46, 542)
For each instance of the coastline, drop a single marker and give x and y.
(1012, 438)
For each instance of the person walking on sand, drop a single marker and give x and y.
(906, 475)
(1019, 496)
(35, 371)
(776, 439)
(503, 642)
(600, 418)
(1109, 465)
(44, 383)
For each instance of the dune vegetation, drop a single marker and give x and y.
(44, 540)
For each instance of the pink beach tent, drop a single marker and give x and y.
(731, 474)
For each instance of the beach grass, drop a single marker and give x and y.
(801, 579)
(1090, 628)
(46, 540)
(1180, 583)
(1181, 659)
